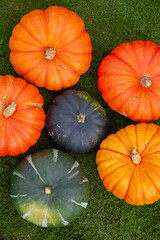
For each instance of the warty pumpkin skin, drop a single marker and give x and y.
(51, 48)
(129, 163)
(129, 80)
(21, 115)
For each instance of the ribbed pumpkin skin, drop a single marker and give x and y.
(138, 183)
(20, 130)
(121, 78)
(58, 28)
(71, 133)
(49, 189)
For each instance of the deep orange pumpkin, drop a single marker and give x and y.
(129, 163)
(129, 80)
(51, 48)
(21, 115)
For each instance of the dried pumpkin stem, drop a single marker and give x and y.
(9, 110)
(47, 190)
(145, 81)
(81, 118)
(50, 53)
(135, 156)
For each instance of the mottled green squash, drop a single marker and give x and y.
(49, 189)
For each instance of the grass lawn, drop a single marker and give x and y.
(109, 23)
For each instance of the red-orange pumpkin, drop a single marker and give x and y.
(129, 163)
(129, 80)
(51, 48)
(21, 115)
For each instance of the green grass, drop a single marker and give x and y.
(109, 23)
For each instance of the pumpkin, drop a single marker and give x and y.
(51, 48)
(21, 115)
(129, 163)
(129, 80)
(49, 189)
(76, 122)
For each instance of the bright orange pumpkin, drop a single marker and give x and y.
(51, 48)
(129, 80)
(21, 115)
(129, 163)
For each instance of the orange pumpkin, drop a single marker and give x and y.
(129, 80)
(51, 48)
(129, 163)
(21, 115)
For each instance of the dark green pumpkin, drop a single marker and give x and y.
(49, 189)
(76, 122)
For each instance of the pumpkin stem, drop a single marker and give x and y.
(145, 81)
(50, 53)
(135, 156)
(9, 110)
(47, 190)
(81, 118)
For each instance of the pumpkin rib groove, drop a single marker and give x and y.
(151, 109)
(156, 75)
(121, 140)
(158, 190)
(126, 133)
(73, 53)
(67, 66)
(130, 182)
(45, 66)
(122, 176)
(27, 123)
(152, 58)
(20, 51)
(17, 39)
(150, 141)
(16, 130)
(151, 154)
(121, 93)
(131, 199)
(135, 50)
(154, 92)
(23, 41)
(115, 151)
(114, 55)
(117, 74)
(65, 45)
(113, 169)
(139, 99)
(6, 138)
(59, 76)
(32, 67)
(21, 92)
(66, 22)
(36, 39)
(8, 85)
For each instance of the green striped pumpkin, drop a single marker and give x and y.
(49, 189)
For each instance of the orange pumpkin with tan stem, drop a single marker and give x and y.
(129, 163)
(129, 80)
(51, 48)
(21, 115)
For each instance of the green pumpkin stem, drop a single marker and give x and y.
(135, 156)
(9, 110)
(81, 118)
